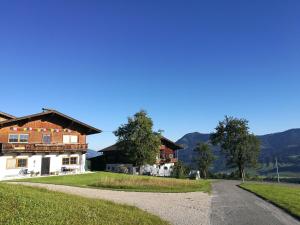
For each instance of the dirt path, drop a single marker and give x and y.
(234, 206)
(177, 208)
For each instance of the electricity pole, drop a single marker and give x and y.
(278, 178)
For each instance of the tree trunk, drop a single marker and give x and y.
(204, 173)
(242, 172)
(139, 169)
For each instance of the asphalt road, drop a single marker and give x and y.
(234, 206)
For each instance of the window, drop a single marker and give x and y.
(18, 138)
(46, 138)
(73, 160)
(74, 139)
(21, 163)
(66, 139)
(70, 139)
(23, 138)
(70, 160)
(13, 138)
(16, 163)
(66, 161)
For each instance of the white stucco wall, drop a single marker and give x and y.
(34, 164)
(163, 170)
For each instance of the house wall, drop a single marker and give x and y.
(2, 118)
(34, 164)
(165, 152)
(164, 170)
(36, 137)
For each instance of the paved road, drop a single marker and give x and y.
(234, 206)
(177, 208)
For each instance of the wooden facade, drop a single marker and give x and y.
(46, 143)
(112, 155)
(49, 125)
(167, 155)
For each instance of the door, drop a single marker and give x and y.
(45, 170)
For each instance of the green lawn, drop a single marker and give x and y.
(285, 196)
(21, 205)
(126, 182)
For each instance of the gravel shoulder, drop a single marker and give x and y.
(177, 208)
(232, 205)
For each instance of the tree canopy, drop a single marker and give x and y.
(241, 148)
(138, 140)
(204, 158)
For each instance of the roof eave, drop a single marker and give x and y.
(92, 130)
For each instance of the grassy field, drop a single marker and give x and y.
(22, 205)
(285, 196)
(126, 182)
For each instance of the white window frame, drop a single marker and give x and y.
(18, 142)
(24, 135)
(72, 137)
(67, 139)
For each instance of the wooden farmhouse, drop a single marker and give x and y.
(41, 144)
(113, 159)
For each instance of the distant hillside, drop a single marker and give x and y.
(284, 145)
(91, 154)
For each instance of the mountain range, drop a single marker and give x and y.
(285, 146)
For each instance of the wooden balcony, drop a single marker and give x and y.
(42, 148)
(168, 160)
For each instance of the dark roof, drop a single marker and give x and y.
(87, 129)
(109, 148)
(6, 115)
(164, 141)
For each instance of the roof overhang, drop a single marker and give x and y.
(7, 116)
(50, 115)
(164, 141)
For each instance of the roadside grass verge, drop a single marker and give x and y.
(21, 205)
(284, 196)
(124, 182)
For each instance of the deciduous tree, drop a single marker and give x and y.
(204, 158)
(138, 140)
(241, 148)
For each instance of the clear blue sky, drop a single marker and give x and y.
(188, 63)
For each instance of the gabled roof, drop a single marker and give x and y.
(87, 129)
(109, 148)
(6, 115)
(164, 141)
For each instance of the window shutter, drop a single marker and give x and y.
(10, 163)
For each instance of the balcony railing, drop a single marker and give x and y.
(31, 148)
(167, 160)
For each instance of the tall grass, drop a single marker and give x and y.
(151, 184)
(126, 182)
